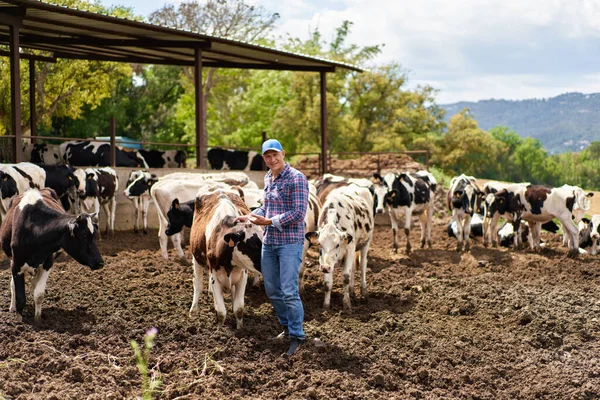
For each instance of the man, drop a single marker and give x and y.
(283, 212)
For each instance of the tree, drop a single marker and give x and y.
(64, 87)
(233, 19)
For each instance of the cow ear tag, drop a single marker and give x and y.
(231, 243)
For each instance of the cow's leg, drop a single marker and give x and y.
(163, 239)
(39, 290)
(347, 272)
(198, 283)
(536, 227)
(13, 299)
(19, 285)
(136, 213)
(328, 282)
(237, 293)
(176, 240)
(113, 211)
(429, 222)
(363, 270)
(407, 224)
(487, 230)
(220, 309)
(594, 250)
(355, 265)
(394, 221)
(145, 205)
(467, 231)
(494, 229)
(569, 226)
(459, 230)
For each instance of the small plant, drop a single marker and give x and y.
(149, 384)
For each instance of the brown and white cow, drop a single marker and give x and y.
(538, 204)
(35, 227)
(228, 250)
(463, 199)
(411, 193)
(345, 227)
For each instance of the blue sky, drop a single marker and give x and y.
(467, 49)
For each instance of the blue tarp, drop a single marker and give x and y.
(123, 141)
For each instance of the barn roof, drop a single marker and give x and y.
(76, 34)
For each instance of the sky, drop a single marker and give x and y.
(468, 50)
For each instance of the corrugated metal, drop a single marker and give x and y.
(53, 21)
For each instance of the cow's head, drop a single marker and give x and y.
(332, 244)
(80, 241)
(245, 241)
(468, 198)
(8, 186)
(490, 207)
(180, 158)
(380, 192)
(138, 183)
(507, 202)
(177, 218)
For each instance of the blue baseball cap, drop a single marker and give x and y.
(271, 144)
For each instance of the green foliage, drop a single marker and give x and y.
(150, 384)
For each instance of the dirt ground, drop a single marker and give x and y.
(490, 324)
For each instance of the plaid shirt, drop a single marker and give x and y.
(285, 203)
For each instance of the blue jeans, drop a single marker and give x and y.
(281, 269)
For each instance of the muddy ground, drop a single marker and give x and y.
(491, 324)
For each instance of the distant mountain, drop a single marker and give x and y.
(568, 122)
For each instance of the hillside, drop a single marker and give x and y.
(568, 122)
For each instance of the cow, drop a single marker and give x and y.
(42, 154)
(345, 226)
(582, 204)
(62, 179)
(15, 179)
(35, 228)
(219, 158)
(463, 200)
(97, 154)
(137, 190)
(589, 233)
(410, 193)
(183, 186)
(164, 158)
(538, 204)
(226, 249)
(99, 188)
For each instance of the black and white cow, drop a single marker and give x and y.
(62, 179)
(164, 158)
(345, 226)
(328, 182)
(538, 204)
(42, 154)
(137, 190)
(219, 158)
(410, 194)
(589, 234)
(15, 179)
(463, 200)
(227, 250)
(97, 154)
(582, 204)
(35, 228)
(98, 187)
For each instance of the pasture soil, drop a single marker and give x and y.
(489, 324)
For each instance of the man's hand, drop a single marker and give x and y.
(241, 218)
(258, 220)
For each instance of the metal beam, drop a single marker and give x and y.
(324, 123)
(31, 57)
(96, 41)
(15, 92)
(32, 111)
(199, 94)
(12, 16)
